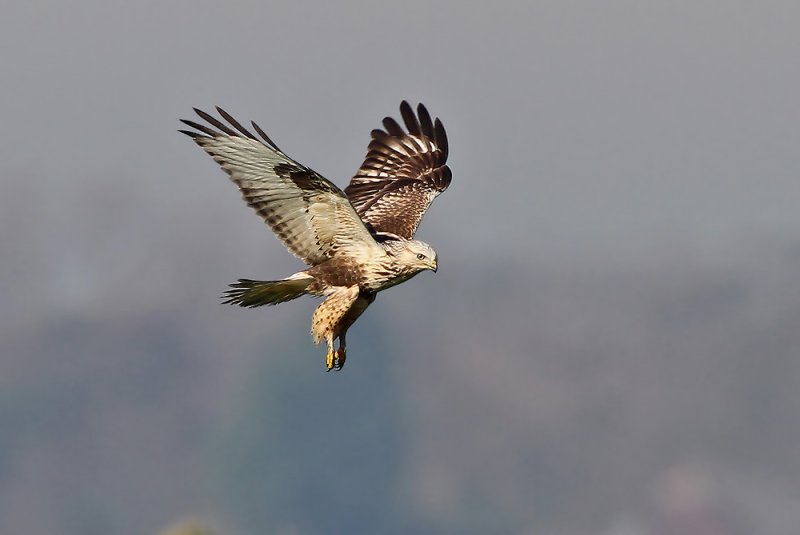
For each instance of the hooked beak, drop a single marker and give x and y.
(435, 265)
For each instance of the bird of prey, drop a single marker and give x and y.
(357, 242)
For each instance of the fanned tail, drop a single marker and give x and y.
(250, 293)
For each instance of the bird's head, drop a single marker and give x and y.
(416, 256)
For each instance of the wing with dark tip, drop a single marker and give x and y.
(402, 173)
(308, 213)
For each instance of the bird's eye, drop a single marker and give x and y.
(421, 256)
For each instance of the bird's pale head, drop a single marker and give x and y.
(414, 255)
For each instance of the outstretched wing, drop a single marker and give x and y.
(309, 214)
(402, 173)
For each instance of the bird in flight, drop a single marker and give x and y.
(357, 242)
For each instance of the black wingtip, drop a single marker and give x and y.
(410, 118)
(425, 121)
(265, 137)
(213, 121)
(201, 127)
(392, 127)
(233, 122)
(440, 137)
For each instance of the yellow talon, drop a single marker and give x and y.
(329, 359)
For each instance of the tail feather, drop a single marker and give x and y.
(250, 293)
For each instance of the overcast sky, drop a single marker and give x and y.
(575, 126)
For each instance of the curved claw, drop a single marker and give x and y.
(339, 359)
(334, 360)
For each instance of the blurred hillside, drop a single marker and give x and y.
(555, 400)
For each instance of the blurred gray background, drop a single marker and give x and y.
(610, 346)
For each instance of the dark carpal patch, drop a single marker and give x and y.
(305, 179)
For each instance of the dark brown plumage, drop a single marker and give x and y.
(402, 173)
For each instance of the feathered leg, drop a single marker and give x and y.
(359, 306)
(333, 317)
(327, 318)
